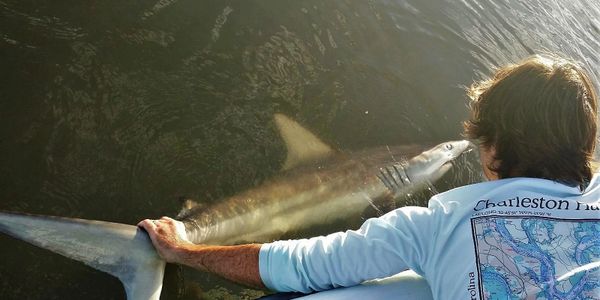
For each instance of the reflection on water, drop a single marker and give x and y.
(113, 110)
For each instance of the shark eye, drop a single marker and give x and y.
(449, 147)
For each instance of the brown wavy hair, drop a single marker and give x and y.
(540, 116)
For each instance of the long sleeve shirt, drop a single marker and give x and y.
(510, 238)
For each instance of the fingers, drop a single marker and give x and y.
(152, 230)
(147, 224)
(168, 236)
(163, 228)
(168, 221)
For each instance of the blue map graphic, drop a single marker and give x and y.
(537, 258)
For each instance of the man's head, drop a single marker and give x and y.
(538, 119)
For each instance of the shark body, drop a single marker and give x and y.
(317, 186)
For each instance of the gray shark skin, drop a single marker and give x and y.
(320, 192)
(121, 250)
(317, 186)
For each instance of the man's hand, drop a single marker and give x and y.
(237, 263)
(169, 238)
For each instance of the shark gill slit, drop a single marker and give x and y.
(399, 175)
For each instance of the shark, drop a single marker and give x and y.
(318, 185)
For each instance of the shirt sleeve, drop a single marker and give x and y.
(381, 247)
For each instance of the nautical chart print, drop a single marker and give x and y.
(537, 258)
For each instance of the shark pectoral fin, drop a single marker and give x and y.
(302, 145)
(123, 251)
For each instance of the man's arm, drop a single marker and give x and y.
(235, 263)
(383, 246)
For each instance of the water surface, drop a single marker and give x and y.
(113, 110)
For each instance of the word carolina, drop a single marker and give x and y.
(540, 203)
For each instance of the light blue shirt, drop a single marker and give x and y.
(519, 237)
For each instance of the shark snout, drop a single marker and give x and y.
(454, 149)
(449, 152)
(432, 164)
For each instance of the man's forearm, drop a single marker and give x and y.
(236, 263)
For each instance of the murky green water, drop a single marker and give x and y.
(113, 110)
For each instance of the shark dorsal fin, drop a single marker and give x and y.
(302, 145)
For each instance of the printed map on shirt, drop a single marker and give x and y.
(537, 257)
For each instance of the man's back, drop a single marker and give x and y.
(515, 239)
(506, 239)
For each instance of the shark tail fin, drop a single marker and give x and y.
(123, 251)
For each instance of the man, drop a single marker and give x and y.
(532, 231)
